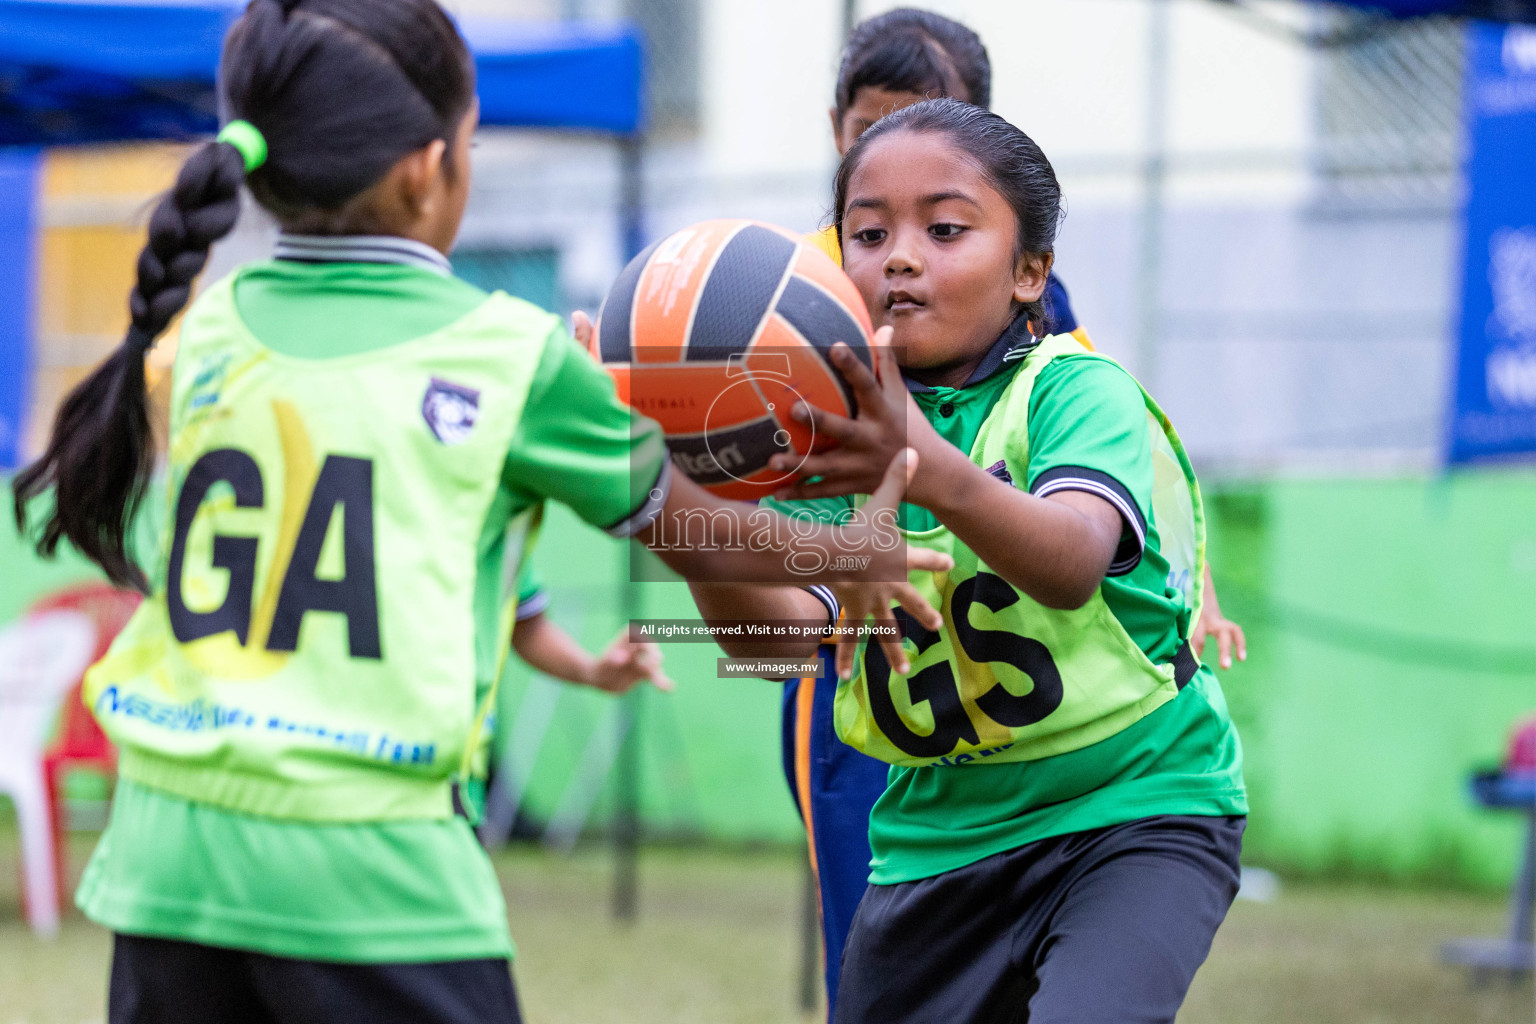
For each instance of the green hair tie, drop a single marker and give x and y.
(248, 142)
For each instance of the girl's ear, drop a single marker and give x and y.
(417, 172)
(1029, 274)
(837, 131)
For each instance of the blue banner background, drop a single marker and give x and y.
(18, 271)
(1494, 410)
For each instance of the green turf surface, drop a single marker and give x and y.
(716, 943)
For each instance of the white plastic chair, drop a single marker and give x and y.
(41, 658)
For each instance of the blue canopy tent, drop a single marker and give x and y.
(92, 71)
(75, 72)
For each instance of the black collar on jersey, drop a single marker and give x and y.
(405, 252)
(1016, 342)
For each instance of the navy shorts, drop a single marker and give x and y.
(834, 787)
(1106, 926)
(163, 981)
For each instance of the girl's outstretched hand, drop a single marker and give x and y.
(1211, 623)
(884, 582)
(888, 421)
(1229, 636)
(627, 663)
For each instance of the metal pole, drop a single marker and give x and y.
(626, 819)
(850, 17)
(810, 936)
(1154, 173)
(632, 195)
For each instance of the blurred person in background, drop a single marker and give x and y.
(892, 61)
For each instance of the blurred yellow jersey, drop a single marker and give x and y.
(826, 240)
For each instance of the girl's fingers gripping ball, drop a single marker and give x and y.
(886, 367)
(866, 389)
(894, 484)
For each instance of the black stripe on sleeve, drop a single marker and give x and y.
(825, 596)
(1133, 538)
(650, 507)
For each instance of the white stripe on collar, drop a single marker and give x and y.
(361, 249)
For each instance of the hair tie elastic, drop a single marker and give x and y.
(248, 142)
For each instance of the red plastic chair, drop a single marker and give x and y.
(1520, 755)
(80, 742)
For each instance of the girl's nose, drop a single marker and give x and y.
(902, 259)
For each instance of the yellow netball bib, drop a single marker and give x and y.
(1007, 678)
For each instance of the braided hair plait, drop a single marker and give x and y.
(101, 452)
(335, 93)
(201, 209)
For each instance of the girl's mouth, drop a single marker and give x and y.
(902, 302)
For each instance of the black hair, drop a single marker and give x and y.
(340, 90)
(910, 50)
(1011, 161)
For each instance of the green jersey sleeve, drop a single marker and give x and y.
(532, 598)
(1088, 432)
(580, 445)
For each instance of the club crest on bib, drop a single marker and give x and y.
(450, 410)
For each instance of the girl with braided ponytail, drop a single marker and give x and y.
(99, 457)
(360, 448)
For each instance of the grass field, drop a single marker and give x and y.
(716, 943)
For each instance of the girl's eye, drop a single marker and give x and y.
(869, 236)
(945, 230)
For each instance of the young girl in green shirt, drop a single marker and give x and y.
(360, 446)
(1059, 837)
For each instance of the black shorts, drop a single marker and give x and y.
(1099, 927)
(161, 981)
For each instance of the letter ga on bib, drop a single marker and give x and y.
(1007, 678)
(325, 631)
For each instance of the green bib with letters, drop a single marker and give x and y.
(317, 629)
(1006, 678)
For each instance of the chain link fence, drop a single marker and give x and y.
(1389, 113)
(1291, 331)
